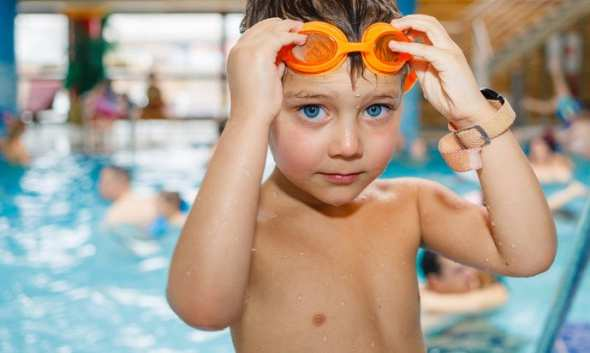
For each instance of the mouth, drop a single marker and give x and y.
(341, 178)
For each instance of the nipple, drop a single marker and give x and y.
(318, 319)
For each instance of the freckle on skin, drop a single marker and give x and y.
(319, 319)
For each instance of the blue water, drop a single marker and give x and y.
(69, 286)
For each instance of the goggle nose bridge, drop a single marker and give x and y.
(362, 47)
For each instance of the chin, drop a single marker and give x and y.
(338, 196)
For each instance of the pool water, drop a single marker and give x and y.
(70, 286)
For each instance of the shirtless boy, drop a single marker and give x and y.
(321, 256)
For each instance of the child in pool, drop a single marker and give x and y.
(12, 147)
(321, 256)
(128, 207)
(453, 288)
(169, 205)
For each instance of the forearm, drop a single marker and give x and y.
(210, 266)
(519, 218)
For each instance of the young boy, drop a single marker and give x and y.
(321, 257)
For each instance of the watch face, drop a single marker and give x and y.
(492, 95)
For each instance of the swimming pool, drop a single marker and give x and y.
(70, 287)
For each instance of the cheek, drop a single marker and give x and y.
(294, 148)
(380, 147)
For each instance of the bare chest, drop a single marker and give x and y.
(352, 284)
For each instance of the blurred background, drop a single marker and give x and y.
(141, 85)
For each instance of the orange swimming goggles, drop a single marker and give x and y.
(327, 47)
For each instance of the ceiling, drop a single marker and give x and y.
(134, 6)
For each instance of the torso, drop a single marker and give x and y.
(335, 284)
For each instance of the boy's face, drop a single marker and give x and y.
(331, 140)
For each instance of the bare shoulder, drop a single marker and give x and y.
(407, 187)
(417, 190)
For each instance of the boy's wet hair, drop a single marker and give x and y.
(429, 263)
(353, 17)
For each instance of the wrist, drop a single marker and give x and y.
(481, 113)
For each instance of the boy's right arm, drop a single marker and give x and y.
(210, 267)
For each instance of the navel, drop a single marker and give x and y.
(318, 319)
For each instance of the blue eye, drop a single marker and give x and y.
(377, 110)
(312, 112)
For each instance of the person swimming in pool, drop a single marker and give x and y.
(128, 207)
(575, 137)
(453, 288)
(321, 256)
(12, 147)
(549, 165)
(170, 213)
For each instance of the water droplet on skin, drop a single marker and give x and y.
(382, 265)
(487, 260)
(325, 338)
(342, 303)
(372, 344)
(253, 249)
(357, 95)
(301, 253)
(513, 246)
(299, 298)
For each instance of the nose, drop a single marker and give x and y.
(346, 142)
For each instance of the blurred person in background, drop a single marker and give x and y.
(453, 288)
(575, 137)
(155, 108)
(128, 207)
(102, 106)
(170, 207)
(12, 149)
(549, 165)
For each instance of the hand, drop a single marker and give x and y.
(443, 72)
(254, 77)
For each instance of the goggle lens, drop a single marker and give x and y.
(386, 55)
(318, 49)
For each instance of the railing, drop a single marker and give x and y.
(570, 283)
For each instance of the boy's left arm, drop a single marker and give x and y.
(515, 234)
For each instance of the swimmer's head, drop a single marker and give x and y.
(541, 149)
(16, 128)
(446, 276)
(335, 132)
(114, 182)
(169, 203)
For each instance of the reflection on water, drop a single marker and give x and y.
(475, 335)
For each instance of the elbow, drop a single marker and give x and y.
(535, 266)
(203, 313)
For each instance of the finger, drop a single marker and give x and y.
(437, 56)
(282, 39)
(288, 25)
(418, 37)
(434, 31)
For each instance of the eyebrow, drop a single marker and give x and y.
(312, 95)
(306, 95)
